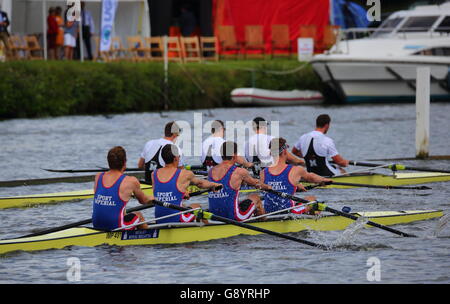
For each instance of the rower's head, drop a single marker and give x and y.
(260, 125)
(117, 159)
(323, 123)
(218, 128)
(171, 155)
(279, 148)
(171, 131)
(229, 151)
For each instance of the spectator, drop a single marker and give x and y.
(70, 35)
(52, 32)
(4, 35)
(187, 21)
(88, 29)
(60, 35)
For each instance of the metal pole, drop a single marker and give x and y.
(166, 73)
(422, 112)
(80, 29)
(44, 28)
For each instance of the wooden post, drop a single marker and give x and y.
(422, 112)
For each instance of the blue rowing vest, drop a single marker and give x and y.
(168, 192)
(108, 207)
(224, 202)
(279, 183)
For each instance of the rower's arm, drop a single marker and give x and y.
(292, 159)
(297, 152)
(339, 160)
(141, 163)
(311, 177)
(242, 161)
(249, 180)
(201, 183)
(139, 194)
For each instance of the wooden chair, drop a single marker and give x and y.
(228, 41)
(117, 51)
(254, 40)
(174, 49)
(280, 40)
(155, 48)
(208, 46)
(191, 49)
(34, 50)
(136, 49)
(17, 48)
(308, 31)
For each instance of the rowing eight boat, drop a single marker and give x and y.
(177, 233)
(399, 179)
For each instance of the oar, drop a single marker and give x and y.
(382, 186)
(323, 207)
(89, 170)
(396, 167)
(211, 216)
(88, 221)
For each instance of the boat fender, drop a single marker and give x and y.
(346, 209)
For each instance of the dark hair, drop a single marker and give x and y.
(117, 158)
(322, 120)
(217, 125)
(259, 122)
(228, 150)
(51, 10)
(171, 128)
(169, 152)
(58, 9)
(277, 146)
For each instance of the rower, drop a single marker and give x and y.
(211, 147)
(257, 149)
(285, 178)
(112, 191)
(170, 185)
(317, 148)
(151, 159)
(226, 202)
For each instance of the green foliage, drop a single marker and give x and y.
(39, 89)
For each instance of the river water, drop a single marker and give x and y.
(361, 132)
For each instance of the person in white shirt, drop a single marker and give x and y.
(211, 154)
(151, 159)
(257, 149)
(317, 148)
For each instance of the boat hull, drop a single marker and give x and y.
(399, 179)
(378, 81)
(88, 237)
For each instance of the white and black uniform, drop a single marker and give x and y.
(316, 149)
(257, 149)
(152, 156)
(211, 154)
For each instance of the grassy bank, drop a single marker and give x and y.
(39, 89)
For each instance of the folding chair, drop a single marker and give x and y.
(34, 50)
(136, 49)
(208, 46)
(155, 48)
(228, 41)
(191, 49)
(280, 40)
(254, 40)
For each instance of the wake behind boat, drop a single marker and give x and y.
(178, 233)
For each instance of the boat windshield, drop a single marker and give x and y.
(437, 51)
(388, 26)
(444, 26)
(418, 24)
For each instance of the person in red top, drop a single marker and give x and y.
(52, 32)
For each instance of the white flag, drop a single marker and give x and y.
(108, 14)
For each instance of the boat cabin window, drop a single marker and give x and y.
(418, 24)
(444, 26)
(388, 26)
(438, 51)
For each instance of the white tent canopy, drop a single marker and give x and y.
(30, 17)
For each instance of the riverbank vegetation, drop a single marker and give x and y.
(40, 89)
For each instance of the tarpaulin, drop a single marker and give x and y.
(294, 13)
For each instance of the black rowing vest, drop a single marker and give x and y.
(152, 165)
(315, 163)
(209, 161)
